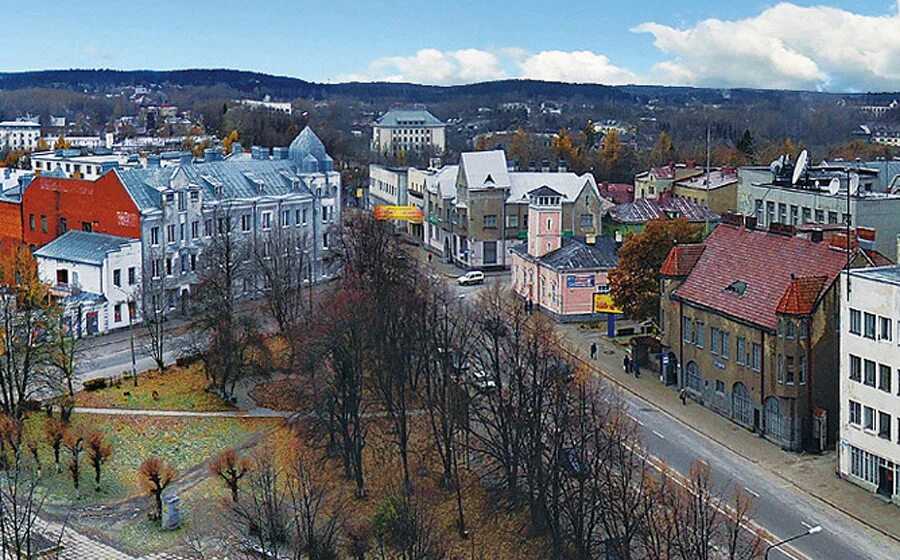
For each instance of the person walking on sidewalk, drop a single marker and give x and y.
(627, 364)
(683, 396)
(637, 369)
(593, 350)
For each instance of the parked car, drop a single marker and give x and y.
(471, 277)
(481, 380)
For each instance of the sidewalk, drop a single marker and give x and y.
(812, 474)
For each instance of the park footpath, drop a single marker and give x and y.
(814, 475)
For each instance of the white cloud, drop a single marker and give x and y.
(574, 66)
(785, 46)
(431, 66)
(93, 51)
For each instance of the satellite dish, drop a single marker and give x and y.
(800, 167)
(854, 183)
(834, 185)
(775, 166)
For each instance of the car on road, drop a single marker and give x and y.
(470, 278)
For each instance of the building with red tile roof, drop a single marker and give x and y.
(748, 328)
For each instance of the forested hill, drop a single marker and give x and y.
(282, 87)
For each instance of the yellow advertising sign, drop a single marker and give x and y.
(603, 303)
(359, 193)
(404, 213)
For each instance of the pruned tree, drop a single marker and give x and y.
(55, 432)
(74, 444)
(230, 468)
(98, 451)
(155, 475)
(154, 317)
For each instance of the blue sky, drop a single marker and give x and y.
(833, 44)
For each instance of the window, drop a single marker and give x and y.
(869, 371)
(789, 329)
(855, 413)
(869, 325)
(855, 321)
(63, 225)
(285, 218)
(586, 221)
(832, 217)
(31, 221)
(169, 266)
(304, 215)
(789, 369)
(117, 312)
(193, 262)
(195, 196)
(245, 223)
(782, 213)
(868, 418)
(884, 425)
(208, 228)
(700, 334)
(740, 350)
(44, 224)
(714, 340)
(132, 276)
(855, 368)
(182, 231)
(884, 378)
(686, 330)
(884, 328)
(512, 221)
(726, 345)
(170, 233)
(720, 387)
(154, 235)
(820, 216)
(801, 331)
(324, 240)
(490, 220)
(770, 212)
(266, 221)
(801, 369)
(157, 268)
(117, 278)
(780, 368)
(184, 263)
(182, 201)
(756, 357)
(195, 229)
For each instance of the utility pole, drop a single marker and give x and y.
(706, 214)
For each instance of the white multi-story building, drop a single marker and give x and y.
(96, 276)
(19, 135)
(870, 380)
(404, 131)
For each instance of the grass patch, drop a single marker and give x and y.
(176, 389)
(183, 442)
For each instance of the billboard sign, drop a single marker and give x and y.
(603, 303)
(580, 281)
(401, 213)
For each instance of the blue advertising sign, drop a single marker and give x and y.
(580, 281)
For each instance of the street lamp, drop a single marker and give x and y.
(810, 531)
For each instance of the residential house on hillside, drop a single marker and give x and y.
(658, 180)
(475, 211)
(716, 190)
(628, 218)
(749, 322)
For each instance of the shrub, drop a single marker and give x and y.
(94, 384)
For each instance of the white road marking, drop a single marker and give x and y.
(659, 434)
(752, 493)
(805, 524)
(635, 419)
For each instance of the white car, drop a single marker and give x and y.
(471, 277)
(482, 380)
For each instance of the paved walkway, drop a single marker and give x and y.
(256, 413)
(813, 474)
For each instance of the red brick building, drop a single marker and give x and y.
(51, 206)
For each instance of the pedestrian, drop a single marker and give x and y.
(637, 370)
(627, 363)
(593, 350)
(430, 256)
(683, 396)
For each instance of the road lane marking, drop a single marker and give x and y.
(659, 434)
(754, 494)
(634, 418)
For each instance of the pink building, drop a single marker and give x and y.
(560, 274)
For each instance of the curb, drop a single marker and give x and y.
(826, 501)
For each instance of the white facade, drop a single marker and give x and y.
(870, 380)
(398, 132)
(98, 291)
(19, 135)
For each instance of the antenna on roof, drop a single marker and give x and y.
(834, 185)
(799, 167)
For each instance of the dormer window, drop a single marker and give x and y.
(737, 287)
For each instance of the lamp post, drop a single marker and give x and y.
(130, 306)
(810, 531)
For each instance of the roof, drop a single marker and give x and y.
(665, 172)
(618, 193)
(884, 274)
(544, 191)
(483, 170)
(443, 181)
(681, 259)
(29, 124)
(408, 117)
(567, 184)
(801, 295)
(305, 144)
(242, 178)
(645, 209)
(877, 258)
(83, 247)
(144, 185)
(717, 179)
(576, 254)
(767, 264)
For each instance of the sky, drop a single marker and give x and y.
(830, 45)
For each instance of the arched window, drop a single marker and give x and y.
(694, 378)
(741, 404)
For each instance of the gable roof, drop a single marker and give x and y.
(544, 191)
(645, 209)
(765, 262)
(569, 185)
(400, 117)
(83, 247)
(801, 295)
(144, 185)
(484, 169)
(575, 254)
(681, 259)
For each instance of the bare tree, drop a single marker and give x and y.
(21, 503)
(63, 353)
(262, 517)
(153, 304)
(316, 523)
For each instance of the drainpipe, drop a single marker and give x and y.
(809, 380)
(762, 382)
(681, 367)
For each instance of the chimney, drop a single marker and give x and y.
(750, 222)
(531, 166)
(545, 165)
(816, 236)
(510, 165)
(236, 148)
(152, 161)
(562, 166)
